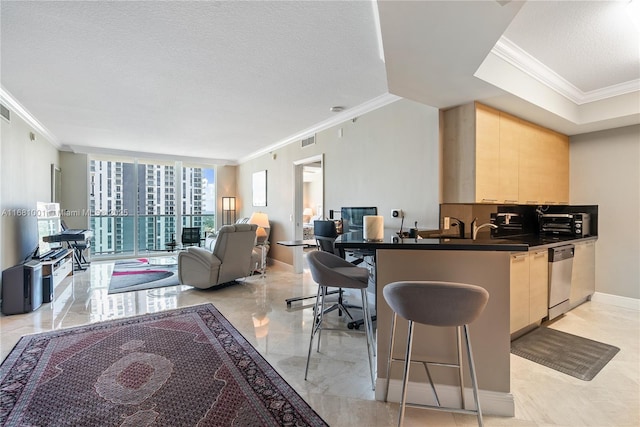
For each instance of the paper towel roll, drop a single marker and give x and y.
(373, 227)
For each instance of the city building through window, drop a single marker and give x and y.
(140, 206)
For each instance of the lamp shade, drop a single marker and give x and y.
(229, 203)
(373, 227)
(307, 212)
(260, 219)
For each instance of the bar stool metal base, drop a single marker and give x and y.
(458, 365)
(317, 328)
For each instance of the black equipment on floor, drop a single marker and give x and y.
(22, 288)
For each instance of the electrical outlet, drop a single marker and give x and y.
(447, 223)
(397, 213)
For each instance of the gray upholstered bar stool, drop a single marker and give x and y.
(329, 270)
(435, 304)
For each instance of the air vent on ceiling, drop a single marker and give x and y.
(6, 114)
(308, 141)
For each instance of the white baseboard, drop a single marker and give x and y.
(280, 264)
(618, 301)
(491, 402)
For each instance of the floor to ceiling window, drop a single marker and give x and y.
(139, 206)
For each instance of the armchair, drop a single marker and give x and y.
(230, 258)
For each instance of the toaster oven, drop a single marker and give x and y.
(566, 224)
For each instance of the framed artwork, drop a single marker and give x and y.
(259, 184)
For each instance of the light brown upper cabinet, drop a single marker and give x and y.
(510, 140)
(544, 166)
(493, 157)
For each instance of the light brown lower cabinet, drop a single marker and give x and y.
(519, 296)
(529, 286)
(538, 285)
(583, 273)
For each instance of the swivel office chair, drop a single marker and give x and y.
(190, 236)
(326, 234)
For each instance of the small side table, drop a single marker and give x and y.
(297, 246)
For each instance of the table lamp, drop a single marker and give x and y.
(260, 219)
(307, 213)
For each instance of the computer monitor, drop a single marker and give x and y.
(352, 217)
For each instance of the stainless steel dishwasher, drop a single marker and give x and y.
(560, 267)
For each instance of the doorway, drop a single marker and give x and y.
(308, 201)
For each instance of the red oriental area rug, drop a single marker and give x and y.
(183, 367)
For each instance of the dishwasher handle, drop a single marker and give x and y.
(560, 253)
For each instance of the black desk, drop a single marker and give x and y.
(354, 240)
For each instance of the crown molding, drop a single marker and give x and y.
(81, 149)
(517, 57)
(342, 117)
(373, 104)
(611, 91)
(12, 104)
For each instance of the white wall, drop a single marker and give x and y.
(605, 171)
(387, 158)
(25, 179)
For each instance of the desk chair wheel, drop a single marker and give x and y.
(357, 323)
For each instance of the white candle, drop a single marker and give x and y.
(373, 227)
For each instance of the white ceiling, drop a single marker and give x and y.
(229, 80)
(604, 61)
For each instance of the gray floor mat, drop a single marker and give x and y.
(570, 354)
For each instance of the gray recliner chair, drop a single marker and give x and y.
(229, 259)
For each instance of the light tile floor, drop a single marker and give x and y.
(339, 386)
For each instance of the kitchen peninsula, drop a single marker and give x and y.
(486, 262)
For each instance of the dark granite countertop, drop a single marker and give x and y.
(354, 240)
